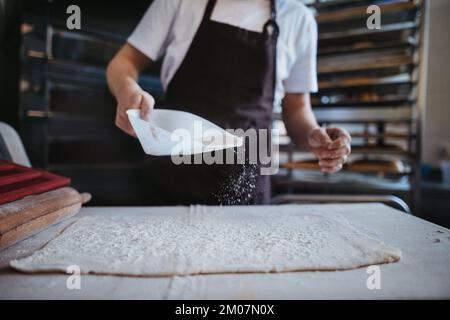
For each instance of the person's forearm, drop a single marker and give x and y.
(121, 75)
(124, 69)
(299, 118)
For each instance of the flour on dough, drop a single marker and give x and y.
(209, 240)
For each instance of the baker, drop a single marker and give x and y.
(231, 62)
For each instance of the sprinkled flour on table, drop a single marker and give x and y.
(209, 240)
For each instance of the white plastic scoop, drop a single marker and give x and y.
(172, 132)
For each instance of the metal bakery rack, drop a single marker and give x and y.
(368, 84)
(67, 113)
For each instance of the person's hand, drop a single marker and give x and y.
(331, 146)
(132, 98)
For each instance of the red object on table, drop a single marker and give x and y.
(17, 182)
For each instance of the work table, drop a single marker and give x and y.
(422, 272)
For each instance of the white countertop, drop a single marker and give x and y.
(423, 271)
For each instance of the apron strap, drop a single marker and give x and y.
(271, 27)
(268, 26)
(209, 9)
(273, 10)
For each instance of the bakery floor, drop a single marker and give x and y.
(422, 273)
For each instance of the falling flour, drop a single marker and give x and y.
(240, 186)
(209, 240)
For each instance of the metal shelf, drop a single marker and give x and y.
(388, 135)
(356, 114)
(360, 115)
(366, 47)
(364, 150)
(332, 3)
(337, 64)
(347, 182)
(358, 12)
(365, 81)
(374, 168)
(367, 33)
(369, 104)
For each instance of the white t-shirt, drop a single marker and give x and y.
(168, 27)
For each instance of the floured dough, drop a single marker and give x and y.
(209, 240)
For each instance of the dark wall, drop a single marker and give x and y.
(9, 60)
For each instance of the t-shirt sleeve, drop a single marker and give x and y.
(303, 74)
(153, 33)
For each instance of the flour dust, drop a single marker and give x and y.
(239, 188)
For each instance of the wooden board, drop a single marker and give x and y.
(25, 217)
(21, 211)
(36, 225)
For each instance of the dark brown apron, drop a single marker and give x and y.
(227, 77)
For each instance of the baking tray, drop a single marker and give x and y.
(17, 181)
